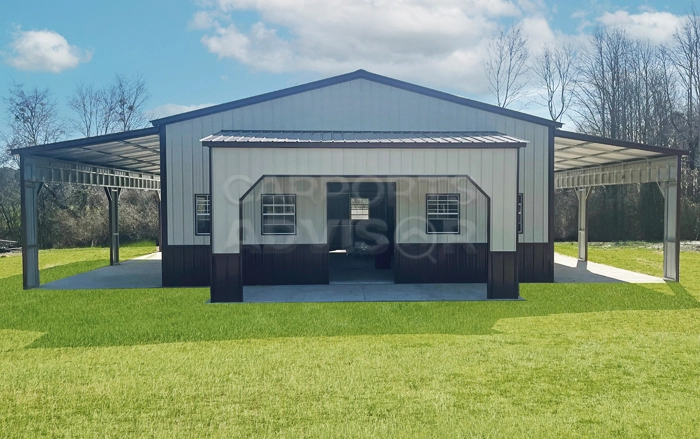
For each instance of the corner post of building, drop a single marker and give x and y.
(582, 194)
(29, 193)
(503, 280)
(160, 220)
(226, 239)
(672, 200)
(113, 200)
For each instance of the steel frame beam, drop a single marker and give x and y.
(113, 201)
(672, 245)
(638, 171)
(43, 170)
(29, 191)
(582, 194)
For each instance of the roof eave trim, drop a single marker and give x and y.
(619, 143)
(359, 74)
(363, 145)
(87, 141)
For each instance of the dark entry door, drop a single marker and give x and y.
(361, 217)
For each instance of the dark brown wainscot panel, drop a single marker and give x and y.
(186, 265)
(226, 278)
(503, 276)
(299, 264)
(440, 263)
(535, 262)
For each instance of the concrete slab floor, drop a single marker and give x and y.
(142, 272)
(571, 270)
(364, 293)
(145, 272)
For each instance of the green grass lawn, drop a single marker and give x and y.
(570, 361)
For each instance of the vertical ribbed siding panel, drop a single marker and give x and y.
(175, 178)
(189, 132)
(220, 205)
(510, 200)
(366, 105)
(411, 198)
(542, 186)
(373, 164)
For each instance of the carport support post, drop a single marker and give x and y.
(671, 193)
(30, 229)
(113, 199)
(583, 194)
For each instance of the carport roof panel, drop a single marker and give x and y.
(137, 150)
(577, 151)
(355, 139)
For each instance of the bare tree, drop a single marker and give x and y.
(117, 107)
(556, 73)
(506, 66)
(32, 120)
(95, 109)
(686, 58)
(129, 96)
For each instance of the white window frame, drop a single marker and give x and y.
(441, 207)
(284, 205)
(360, 211)
(205, 216)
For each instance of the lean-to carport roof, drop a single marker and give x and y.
(137, 150)
(578, 151)
(357, 139)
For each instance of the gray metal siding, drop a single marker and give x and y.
(354, 105)
(410, 209)
(235, 170)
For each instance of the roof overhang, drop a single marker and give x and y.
(580, 151)
(137, 151)
(361, 139)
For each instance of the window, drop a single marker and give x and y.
(202, 215)
(279, 214)
(359, 208)
(443, 213)
(520, 214)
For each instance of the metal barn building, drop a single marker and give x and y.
(356, 176)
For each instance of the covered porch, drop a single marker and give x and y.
(583, 162)
(114, 162)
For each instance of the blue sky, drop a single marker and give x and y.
(199, 52)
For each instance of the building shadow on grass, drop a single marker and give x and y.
(143, 316)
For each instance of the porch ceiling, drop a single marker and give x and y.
(137, 150)
(577, 151)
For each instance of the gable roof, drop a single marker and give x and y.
(359, 74)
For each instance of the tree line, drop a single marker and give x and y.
(619, 87)
(74, 215)
(613, 86)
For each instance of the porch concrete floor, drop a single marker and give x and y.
(145, 272)
(142, 272)
(571, 270)
(364, 293)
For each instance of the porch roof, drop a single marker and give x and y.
(578, 151)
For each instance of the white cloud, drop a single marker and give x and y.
(437, 42)
(44, 50)
(166, 110)
(657, 27)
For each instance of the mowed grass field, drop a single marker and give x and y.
(587, 360)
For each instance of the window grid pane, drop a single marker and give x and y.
(442, 213)
(278, 214)
(359, 208)
(202, 215)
